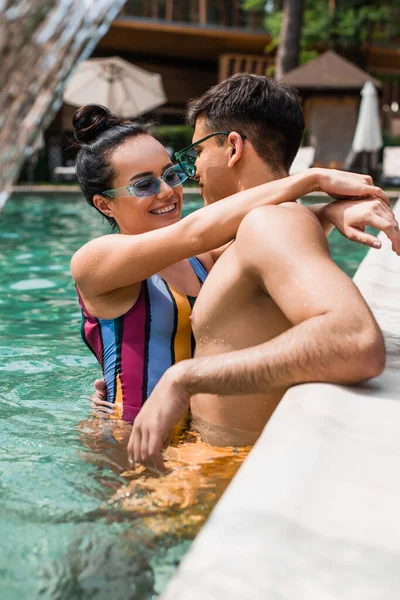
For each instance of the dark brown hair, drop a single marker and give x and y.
(267, 112)
(98, 133)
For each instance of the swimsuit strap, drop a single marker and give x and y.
(198, 268)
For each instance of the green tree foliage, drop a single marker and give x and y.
(340, 24)
(253, 4)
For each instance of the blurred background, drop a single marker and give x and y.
(328, 49)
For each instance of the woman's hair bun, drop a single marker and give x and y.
(91, 120)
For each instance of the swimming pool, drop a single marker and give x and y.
(61, 537)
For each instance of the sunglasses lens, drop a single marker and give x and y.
(181, 174)
(187, 163)
(146, 187)
(175, 176)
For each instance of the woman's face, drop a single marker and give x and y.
(140, 157)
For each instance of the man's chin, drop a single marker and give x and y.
(207, 199)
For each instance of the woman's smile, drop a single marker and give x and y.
(165, 210)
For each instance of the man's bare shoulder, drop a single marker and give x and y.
(284, 214)
(273, 222)
(279, 234)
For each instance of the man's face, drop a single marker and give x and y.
(212, 171)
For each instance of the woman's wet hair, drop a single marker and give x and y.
(264, 110)
(98, 133)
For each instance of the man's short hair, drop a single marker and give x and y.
(267, 112)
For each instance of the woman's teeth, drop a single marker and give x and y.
(166, 209)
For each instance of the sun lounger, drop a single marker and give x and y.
(64, 173)
(391, 166)
(303, 160)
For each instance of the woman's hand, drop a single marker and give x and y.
(343, 185)
(351, 217)
(98, 403)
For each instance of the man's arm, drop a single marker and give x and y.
(334, 337)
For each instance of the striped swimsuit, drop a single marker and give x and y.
(136, 349)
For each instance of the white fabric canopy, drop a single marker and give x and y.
(368, 136)
(126, 90)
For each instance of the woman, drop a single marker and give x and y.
(137, 288)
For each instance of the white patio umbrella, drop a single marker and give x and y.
(367, 136)
(127, 90)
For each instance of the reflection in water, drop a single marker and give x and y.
(166, 512)
(197, 475)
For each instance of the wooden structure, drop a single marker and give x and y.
(225, 13)
(195, 43)
(384, 63)
(230, 64)
(330, 90)
(192, 43)
(196, 29)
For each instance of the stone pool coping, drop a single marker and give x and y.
(74, 190)
(313, 514)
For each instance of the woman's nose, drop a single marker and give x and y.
(165, 190)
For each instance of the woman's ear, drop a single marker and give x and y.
(103, 204)
(235, 142)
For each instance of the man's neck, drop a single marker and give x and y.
(257, 175)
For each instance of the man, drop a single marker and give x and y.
(275, 310)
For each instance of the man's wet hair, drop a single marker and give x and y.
(267, 112)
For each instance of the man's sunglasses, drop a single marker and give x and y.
(149, 186)
(187, 156)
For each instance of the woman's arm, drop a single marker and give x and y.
(351, 217)
(116, 261)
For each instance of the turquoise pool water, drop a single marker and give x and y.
(60, 537)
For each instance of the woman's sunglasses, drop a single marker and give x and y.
(149, 186)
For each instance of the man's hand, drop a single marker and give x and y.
(342, 185)
(351, 217)
(100, 407)
(153, 426)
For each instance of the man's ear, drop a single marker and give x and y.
(235, 142)
(103, 205)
